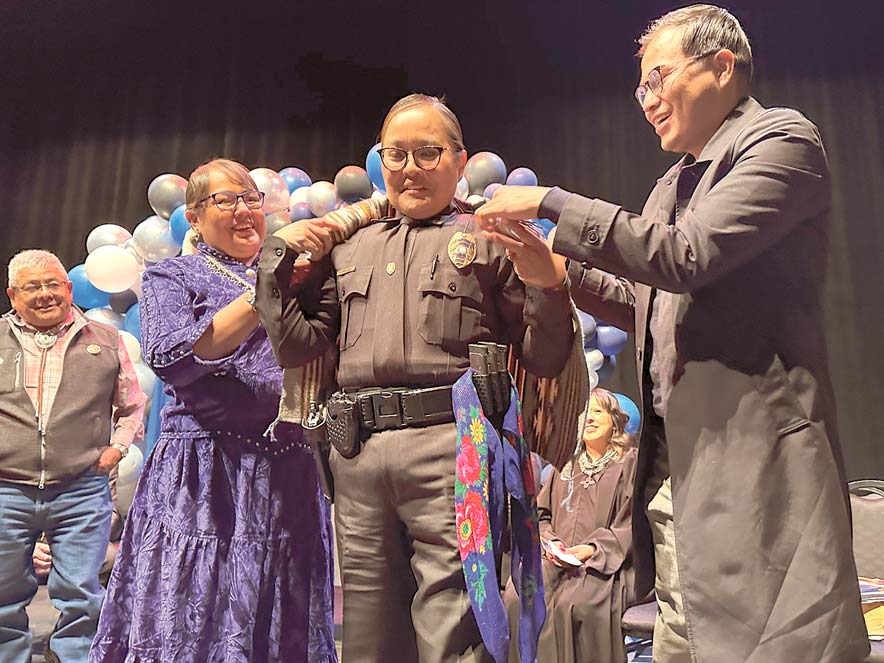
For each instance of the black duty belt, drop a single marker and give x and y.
(383, 408)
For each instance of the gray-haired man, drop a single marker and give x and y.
(70, 406)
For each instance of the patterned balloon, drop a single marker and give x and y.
(165, 193)
(107, 234)
(321, 198)
(276, 191)
(295, 178)
(153, 240)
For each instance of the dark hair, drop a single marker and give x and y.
(705, 29)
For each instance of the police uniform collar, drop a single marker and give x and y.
(454, 208)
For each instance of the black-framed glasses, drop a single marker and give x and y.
(425, 157)
(654, 81)
(33, 288)
(227, 200)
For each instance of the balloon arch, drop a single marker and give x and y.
(107, 284)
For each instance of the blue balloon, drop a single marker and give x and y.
(522, 177)
(610, 340)
(374, 169)
(178, 224)
(607, 370)
(86, 295)
(132, 321)
(490, 189)
(632, 411)
(587, 322)
(295, 178)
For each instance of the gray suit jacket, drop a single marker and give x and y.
(761, 512)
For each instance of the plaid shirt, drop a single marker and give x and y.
(128, 403)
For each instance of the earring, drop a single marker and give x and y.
(197, 235)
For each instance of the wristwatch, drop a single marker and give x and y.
(121, 448)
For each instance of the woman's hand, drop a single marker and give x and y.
(581, 552)
(313, 236)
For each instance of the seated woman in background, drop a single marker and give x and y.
(586, 513)
(226, 554)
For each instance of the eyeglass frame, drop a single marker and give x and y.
(646, 85)
(238, 197)
(410, 153)
(32, 289)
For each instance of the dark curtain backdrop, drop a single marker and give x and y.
(100, 97)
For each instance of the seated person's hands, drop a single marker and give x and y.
(42, 558)
(581, 552)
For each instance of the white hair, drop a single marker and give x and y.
(32, 259)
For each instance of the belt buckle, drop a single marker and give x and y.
(387, 410)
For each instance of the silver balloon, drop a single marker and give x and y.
(482, 169)
(153, 240)
(165, 193)
(475, 201)
(105, 315)
(276, 191)
(321, 197)
(352, 184)
(146, 378)
(107, 234)
(277, 220)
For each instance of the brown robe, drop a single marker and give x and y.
(584, 606)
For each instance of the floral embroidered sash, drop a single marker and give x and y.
(488, 470)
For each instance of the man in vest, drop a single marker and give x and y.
(70, 406)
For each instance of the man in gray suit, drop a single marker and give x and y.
(745, 533)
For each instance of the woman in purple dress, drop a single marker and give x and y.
(227, 551)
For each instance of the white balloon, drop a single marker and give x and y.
(299, 195)
(153, 240)
(107, 234)
(321, 197)
(476, 199)
(111, 268)
(133, 347)
(165, 193)
(593, 380)
(146, 379)
(106, 315)
(594, 359)
(128, 472)
(276, 191)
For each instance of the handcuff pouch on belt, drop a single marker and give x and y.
(316, 434)
(491, 379)
(342, 425)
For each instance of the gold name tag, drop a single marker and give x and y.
(346, 270)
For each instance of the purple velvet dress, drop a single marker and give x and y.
(226, 555)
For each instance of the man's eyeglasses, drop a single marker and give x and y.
(426, 157)
(654, 81)
(32, 288)
(227, 200)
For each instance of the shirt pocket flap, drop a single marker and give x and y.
(354, 283)
(450, 283)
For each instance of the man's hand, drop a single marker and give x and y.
(310, 235)
(108, 460)
(582, 552)
(515, 203)
(42, 558)
(533, 259)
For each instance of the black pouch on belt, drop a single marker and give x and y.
(342, 424)
(316, 433)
